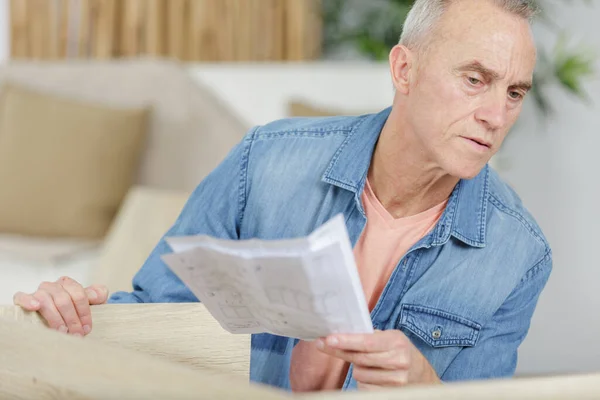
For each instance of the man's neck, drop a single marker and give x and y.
(403, 179)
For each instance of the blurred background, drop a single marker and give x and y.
(111, 112)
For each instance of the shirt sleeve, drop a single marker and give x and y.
(214, 208)
(495, 354)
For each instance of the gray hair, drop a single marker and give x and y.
(424, 14)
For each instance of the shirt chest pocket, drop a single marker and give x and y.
(438, 334)
(439, 328)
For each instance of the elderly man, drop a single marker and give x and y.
(450, 261)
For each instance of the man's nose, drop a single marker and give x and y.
(493, 112)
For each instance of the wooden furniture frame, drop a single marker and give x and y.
(178, 351)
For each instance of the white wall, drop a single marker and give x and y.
(555, 170)
(260, 92)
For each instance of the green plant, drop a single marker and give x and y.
(373, 29)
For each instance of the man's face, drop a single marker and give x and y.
(470, 84)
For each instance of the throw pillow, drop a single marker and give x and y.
(299, 108)
(65, 165)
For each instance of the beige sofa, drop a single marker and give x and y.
(188, 132)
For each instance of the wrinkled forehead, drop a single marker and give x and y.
(502, 41)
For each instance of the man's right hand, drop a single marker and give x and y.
(64, 304)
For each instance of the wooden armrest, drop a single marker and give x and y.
(36, 362)
(185, 333)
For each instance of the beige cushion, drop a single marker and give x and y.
(190, 130)
(302, 108)
(146, 215)
(65, 165)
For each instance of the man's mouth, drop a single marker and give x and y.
(479, 142)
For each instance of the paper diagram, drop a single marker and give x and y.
(215, 276)
(241, 312)
(323, 304)
(239, 326)
(228, 295)
(302, 288)
(290, 325)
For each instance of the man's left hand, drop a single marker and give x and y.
(381, 359)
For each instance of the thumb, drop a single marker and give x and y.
(97, 294)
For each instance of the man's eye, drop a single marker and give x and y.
(473, 81)
(515, 95)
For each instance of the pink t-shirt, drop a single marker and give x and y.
(379, 249)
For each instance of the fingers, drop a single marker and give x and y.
(391, 360)
(26, 301)
(64, 303)
(379, 377)
(366, 386)
(81, 320)
(49, 312)
(379, 341)
(43, 303)
(97, 294)
(384, 358)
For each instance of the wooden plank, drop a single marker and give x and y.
(45, 26)
(244, 34)
(248, 35)
(278, 18)
(19, 33)
(35, 25)
(235, 15)
(211, 31)
(314, 29)
(303, 30)
(36, 362)
(293, 30)
(270, 30)
(177, 28)
(199, 30)
(131, 31)
(91, 39)
(183, 333)
(105, 29)
(83, 39)
(62, 15)
(196, 31)
(155, 27)
(72, 16)
(225, 40)
(53, 26)
(39, 363)
(192, 51)
(258, 29)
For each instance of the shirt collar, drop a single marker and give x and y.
(465, 215)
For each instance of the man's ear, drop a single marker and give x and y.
(401, 67)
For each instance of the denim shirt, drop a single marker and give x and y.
(464, 294)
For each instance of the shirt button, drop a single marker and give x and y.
(436, 334)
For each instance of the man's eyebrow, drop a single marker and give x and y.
(523, 85)
(490, 74)
(476, 66)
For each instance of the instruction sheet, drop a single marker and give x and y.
(302, 288)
